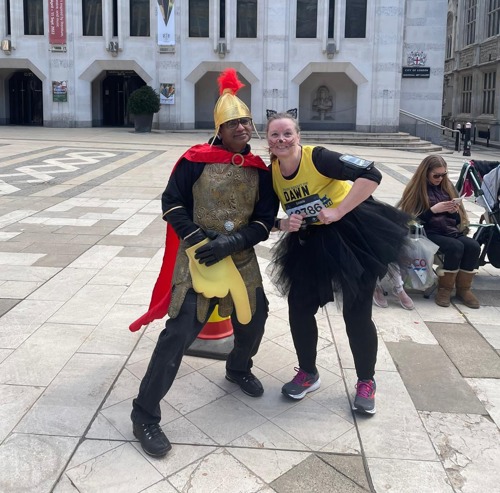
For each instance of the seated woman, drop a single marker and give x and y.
(432, 199)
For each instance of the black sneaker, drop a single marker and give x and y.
(248, 383)
(153, 441)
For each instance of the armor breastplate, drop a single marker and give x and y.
(224, 199)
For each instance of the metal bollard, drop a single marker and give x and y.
(467, 143)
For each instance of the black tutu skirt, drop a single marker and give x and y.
(340, 256)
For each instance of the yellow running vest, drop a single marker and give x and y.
(309, 191)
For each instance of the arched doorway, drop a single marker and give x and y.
(117, 85)
(328, 101)
(25, 99)
(207, 94)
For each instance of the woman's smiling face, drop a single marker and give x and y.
(282, 137)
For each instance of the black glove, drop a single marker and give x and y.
(219, 248)
(194, 238)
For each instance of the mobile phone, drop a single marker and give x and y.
(456, 200)
(356, 161)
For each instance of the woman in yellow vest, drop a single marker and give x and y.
(339, 239)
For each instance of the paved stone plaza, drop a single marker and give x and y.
(81, 243)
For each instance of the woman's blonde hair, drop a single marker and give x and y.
(415, 199)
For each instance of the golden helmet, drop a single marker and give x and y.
(229, 106)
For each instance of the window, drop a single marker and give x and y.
(246, 19)
(331, 18)
(493, 17)
(92, 17)
(466, 93)
(307, 18)
(33, 17)
(489, 83)
(470, 21)
(198, 19)
(449, 35)
(222, 19)
(139, 17)
(355, 19)
(115, 18)
(7, 17)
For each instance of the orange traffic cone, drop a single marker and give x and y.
(217, 327)
(215, 340)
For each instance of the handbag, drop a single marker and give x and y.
(418, 273)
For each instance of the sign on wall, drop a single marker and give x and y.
(57, 22)
(416, 72)
(59, 91)
(416, 66)
(167, 93)
(166, 24)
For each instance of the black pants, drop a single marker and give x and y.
(459, 253)
(179, 333)
(360, 329)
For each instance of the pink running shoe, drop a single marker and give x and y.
(301, 384)
(379, 297)
(364, 402)
(405, 301)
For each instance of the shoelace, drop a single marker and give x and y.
(364, 389)
(152, 431)
(301, 376)
(248, 378)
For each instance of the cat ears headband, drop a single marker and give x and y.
(292, 112)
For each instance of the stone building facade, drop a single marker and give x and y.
(472, 66)
(340, 62)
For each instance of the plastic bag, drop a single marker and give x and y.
(418, 273)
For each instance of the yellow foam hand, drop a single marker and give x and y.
(218, 280)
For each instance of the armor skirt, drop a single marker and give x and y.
(338, 257)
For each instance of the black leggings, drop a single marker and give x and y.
(360, 329)
(178, 334)
(459, 253)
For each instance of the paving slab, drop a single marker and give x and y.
(315, 475)
(432, 379)
(70, 368)
(7, 304)
(467, 349)
(487, 297)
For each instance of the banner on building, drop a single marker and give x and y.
(57, 22)
(167, 93)
(166, 25)
(59, 91)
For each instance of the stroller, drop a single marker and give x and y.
(482, 179)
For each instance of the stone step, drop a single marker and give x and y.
(380, 143)
(401, 141)
(396, 140)
(357, 135)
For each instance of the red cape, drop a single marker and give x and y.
(162, 292)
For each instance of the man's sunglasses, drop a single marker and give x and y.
(439, 175)
(232, 124)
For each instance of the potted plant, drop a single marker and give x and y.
(143, 103)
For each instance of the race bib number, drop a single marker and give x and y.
(310, 207)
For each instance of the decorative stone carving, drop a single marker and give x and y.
(416, 58)
(322, 104)
(466, 58)
(488, 51)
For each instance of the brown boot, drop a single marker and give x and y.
(463, 285)
(446, 283)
